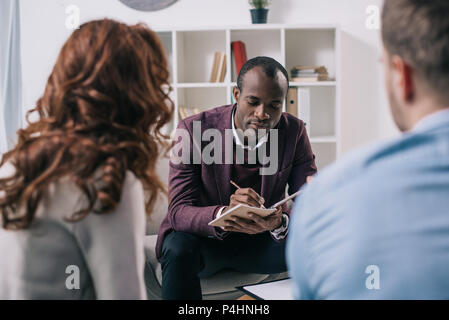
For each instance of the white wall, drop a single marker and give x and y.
(365, 113)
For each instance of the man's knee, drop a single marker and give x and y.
(180, 246)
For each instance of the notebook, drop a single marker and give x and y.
(241, 211)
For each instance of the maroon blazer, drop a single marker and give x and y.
(196, 191)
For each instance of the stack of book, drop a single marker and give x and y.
(309, 74)
(188, 112)
(219, 68)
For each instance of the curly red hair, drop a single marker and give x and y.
(104, 105)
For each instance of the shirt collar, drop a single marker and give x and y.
(238, 142)
(432, 121)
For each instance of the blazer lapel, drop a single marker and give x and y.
(223, 171)
(269, 181)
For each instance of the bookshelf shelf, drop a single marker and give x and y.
(190, 53)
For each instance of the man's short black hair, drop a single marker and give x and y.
(269, 66)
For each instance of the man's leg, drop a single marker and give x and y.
(186, 257)
(258, 254)
(181, 262)
(244, 253)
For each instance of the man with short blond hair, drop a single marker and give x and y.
(376, 224)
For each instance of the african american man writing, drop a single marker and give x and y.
(190, 249)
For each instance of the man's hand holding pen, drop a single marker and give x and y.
(255, 224)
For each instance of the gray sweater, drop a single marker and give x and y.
(100, 257)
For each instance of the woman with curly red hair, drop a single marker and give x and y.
(73, 189)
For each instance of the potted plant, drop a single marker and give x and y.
(259, 13)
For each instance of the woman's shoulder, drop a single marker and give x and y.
(64, 193)
(67, 191)
(66, 188)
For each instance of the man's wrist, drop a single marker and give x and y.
(217, 215)
(219, 212)
(282, 225)
(281, 232)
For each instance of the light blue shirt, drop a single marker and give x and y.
(376, 224)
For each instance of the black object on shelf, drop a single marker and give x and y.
(259, 16)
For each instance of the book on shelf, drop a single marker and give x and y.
(221, 68)
(213, 75)
(185, 112)
(218, 73)
(309, 74)
(240, 55)
(305, 79)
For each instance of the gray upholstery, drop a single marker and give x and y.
(218, 287)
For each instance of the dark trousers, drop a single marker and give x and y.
(186, 258)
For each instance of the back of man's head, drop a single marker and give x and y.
(418, 32)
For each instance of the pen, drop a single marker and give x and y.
(280, 203)
(237, 186)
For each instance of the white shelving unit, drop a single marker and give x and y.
(191, 53)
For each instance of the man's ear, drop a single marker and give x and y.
(404, 78)
(236, 93)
